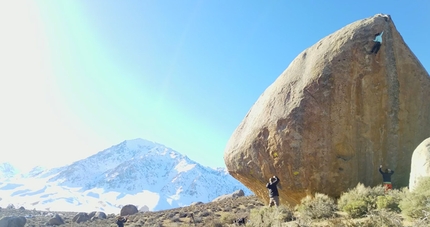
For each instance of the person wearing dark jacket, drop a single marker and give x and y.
(121, 220)
(273, 191)
(386, 177)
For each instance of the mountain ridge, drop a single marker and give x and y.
(147, 173)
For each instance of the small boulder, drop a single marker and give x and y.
(91, 214)
(144, 208)
(81, 217)
(100, 215)
(56, 220)
(238, 193)
(196, 203)
(128, 210)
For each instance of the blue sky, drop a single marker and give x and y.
(81, 76)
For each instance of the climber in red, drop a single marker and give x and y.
(386, 177)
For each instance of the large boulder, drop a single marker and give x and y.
(13, 221)
(420, 164)
(128, 210)
(334, 115)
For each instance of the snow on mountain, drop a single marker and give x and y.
(139, 172)
(7, 170)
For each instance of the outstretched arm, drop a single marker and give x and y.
(380, 169)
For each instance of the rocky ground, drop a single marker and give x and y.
(213, 214)
(207, 214)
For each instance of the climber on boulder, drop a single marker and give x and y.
(378, 42)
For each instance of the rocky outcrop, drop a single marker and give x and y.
(235, 194)
(128, 210)
(334, 115)
(420, 163)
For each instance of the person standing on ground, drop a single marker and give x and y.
(121, 220)
(378, 43)
(386, 177)
(273, 191)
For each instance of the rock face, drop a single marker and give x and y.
(420, 164)
(334, 115)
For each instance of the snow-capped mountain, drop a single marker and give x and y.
(146, 174)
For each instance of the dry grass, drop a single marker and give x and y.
(223, 214)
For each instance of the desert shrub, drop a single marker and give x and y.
(391, 200)
(270, 216)
(227, 218)
(382, 218)
(416, 203)
(226, 209)
(213, 223)
(423, 221)
(319, 206)
(345, 222)
(360, 200)
(198, 220)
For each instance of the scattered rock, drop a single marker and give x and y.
(91, 214)
(56, 220)
(240, 221)
(235, 194)
(100, 215)
(81, 217)
(196, 203)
